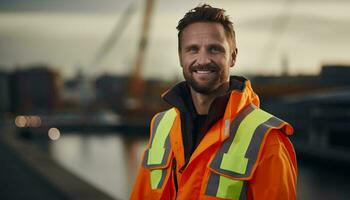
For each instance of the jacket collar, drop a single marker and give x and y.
(179, 96)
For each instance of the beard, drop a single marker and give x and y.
(204, 88)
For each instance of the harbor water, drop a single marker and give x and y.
(110, 162)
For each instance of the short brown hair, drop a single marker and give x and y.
(206, 13)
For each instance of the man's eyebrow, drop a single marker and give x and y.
(190, 46)
(216, 45)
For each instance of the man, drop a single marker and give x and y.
(215, 143)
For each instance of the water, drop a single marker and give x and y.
(110, 162)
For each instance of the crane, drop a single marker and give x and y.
(135, 83)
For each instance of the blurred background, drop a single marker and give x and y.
(81, 79)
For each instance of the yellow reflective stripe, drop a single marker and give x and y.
(156, 176)
(157, 150)
(229, 188)
(234, 160)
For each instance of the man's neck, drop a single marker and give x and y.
(202, 102)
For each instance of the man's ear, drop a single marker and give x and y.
(234, 57)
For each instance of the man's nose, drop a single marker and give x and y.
(203, 58)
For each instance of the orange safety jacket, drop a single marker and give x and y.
(246, 154)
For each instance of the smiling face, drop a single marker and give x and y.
(206, 55)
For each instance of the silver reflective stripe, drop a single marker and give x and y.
(226, 188)
(258, 137)
(156, 122)
(164, 159)
(213, 184)
(227, 128)
(244, 191)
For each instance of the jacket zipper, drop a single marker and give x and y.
(175, 177)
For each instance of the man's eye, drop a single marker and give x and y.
(215, 50)
(193, 49)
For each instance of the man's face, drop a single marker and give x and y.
(206, 56)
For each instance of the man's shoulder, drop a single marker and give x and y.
(278, 144)
(169, 113)
(276, 124)
(163, 112)
(275, 137)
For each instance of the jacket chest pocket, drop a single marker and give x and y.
(221, 186)
(159, 169)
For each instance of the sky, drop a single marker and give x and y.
(67, 35)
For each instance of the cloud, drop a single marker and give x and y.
(76, 6)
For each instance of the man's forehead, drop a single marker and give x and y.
(204, 27)
(200, 30)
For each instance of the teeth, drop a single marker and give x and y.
(203, 72)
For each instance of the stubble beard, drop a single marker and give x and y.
(207, 88)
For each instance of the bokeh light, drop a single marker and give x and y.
(27, 121)
(21, 121)
(34, 121)
(54, 133)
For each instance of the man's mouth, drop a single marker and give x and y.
(203, 71)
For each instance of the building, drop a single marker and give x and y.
(111, 91)
(34, 89)
(4, 93)
(331, 77)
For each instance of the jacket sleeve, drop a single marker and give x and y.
(142, 186)
(276, 174)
